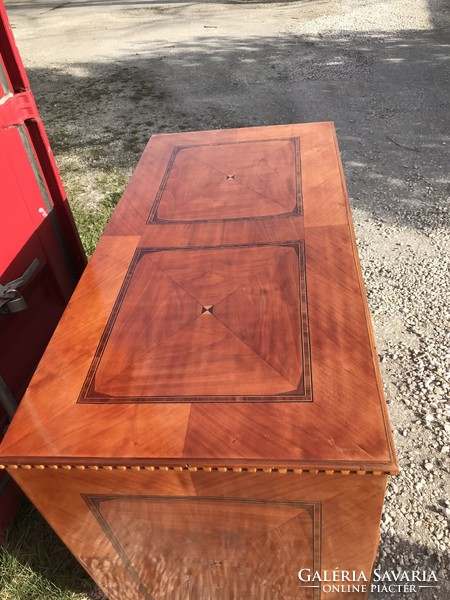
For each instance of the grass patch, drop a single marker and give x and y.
(92, 218)
(92, 221)
(35, 565)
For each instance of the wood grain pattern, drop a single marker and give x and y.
(213, 340)
(193, 544)
(230, 181)
(212, 323)
(224, 536)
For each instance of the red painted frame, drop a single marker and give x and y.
(20, 108)
(23, 97)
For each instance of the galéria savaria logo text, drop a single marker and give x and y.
(387, 581)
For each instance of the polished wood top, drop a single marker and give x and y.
(221, 321)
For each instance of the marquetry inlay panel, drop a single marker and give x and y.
(180, 547)
(207, 324)
(234, 181)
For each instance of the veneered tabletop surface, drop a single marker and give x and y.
(221, 321)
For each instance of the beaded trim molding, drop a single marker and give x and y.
(281, 470)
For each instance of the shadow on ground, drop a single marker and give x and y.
(387, 93)
(408, 556)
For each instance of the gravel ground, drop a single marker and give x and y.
(108, 74)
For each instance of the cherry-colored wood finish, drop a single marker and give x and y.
(195, 535)
(205, 325)
(202, 417)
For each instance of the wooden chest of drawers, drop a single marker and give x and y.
(209, 419)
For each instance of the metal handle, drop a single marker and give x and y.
(11, 299)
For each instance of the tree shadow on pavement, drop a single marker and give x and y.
(387, 93)
(396, 554)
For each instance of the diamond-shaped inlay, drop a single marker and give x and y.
(259, 179)
(207, 324)
(196, 540)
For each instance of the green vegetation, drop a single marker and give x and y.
(35, 565)
(91, 218)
